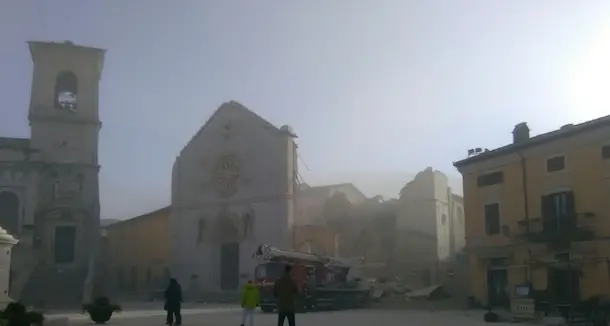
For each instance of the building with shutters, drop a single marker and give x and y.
(538, 210)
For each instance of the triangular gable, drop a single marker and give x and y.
(231, 105)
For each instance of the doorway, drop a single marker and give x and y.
(9, 211)
(229, 266)
(497, 282)
(65, 244)
(564, 284)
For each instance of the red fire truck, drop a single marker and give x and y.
(322, 281)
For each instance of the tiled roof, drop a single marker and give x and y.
(564, 132)
(165, 209)
(15, 143)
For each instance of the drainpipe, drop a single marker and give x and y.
(528, 271)
(524, 189)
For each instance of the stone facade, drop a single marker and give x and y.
(233, 188)
(311, 201)
(428, 205)
(49, 195)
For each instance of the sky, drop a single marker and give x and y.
(376, 90)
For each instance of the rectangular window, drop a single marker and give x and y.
(558, 211)
(492, 219)
(606, 152)
(490, 179)
(558, 205)
(557, 163)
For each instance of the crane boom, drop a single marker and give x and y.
(269, 253)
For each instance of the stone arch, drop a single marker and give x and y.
(9, 211)
(66, 90)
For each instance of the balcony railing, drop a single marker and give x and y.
(558, 229)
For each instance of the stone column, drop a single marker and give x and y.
(7, 242)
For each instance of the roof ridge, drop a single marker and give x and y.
(224, 106)
(567, 130)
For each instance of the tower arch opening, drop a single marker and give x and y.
(66, 90)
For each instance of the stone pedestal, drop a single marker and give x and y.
(7, 242)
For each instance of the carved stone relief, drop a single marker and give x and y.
(68, 185)
(11, 176)
(226, 174)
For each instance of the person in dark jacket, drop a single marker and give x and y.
(173, 301)
(286, 291)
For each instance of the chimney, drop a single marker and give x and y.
(521, 133)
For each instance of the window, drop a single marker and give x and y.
(492, 219)
(557, 163)
(490, 179)
(606, 152)
(558, 205)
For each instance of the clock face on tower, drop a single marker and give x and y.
(226, 174)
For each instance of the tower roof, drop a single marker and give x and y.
(36, 46)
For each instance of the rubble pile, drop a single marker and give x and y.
(393, 294)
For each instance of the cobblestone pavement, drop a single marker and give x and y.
(362, 317)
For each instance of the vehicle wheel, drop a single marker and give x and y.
(267, 309)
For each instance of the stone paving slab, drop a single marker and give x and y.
(145, 313)
(360, 317)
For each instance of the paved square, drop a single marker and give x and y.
(362, 317)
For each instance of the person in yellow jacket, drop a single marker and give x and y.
(250, 298)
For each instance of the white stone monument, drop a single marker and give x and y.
(7, 242)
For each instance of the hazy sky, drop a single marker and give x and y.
(376, 89)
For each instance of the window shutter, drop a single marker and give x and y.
(570, 204)
(546, 207)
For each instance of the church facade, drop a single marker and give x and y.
(233, 188)
(49, 196)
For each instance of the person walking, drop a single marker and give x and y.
(250, 298)
(173, 301)
(285, 290)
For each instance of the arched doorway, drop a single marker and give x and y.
(229, 255)
(9, 211)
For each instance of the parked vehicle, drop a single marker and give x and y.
(324, 282)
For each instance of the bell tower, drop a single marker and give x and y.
(64, 127)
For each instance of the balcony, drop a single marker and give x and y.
(559, 231)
